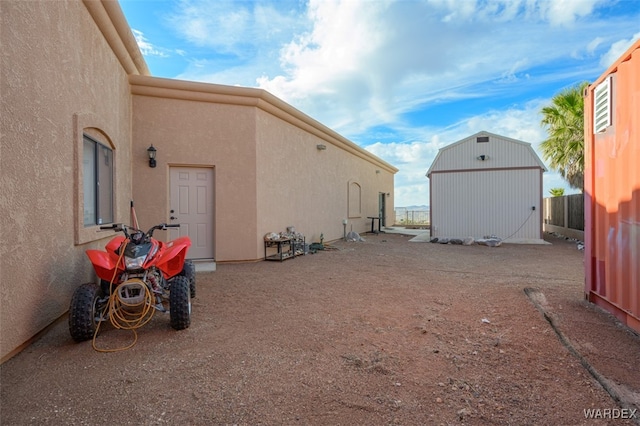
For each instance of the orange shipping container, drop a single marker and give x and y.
(612, 189)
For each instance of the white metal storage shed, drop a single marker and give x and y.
(487, 185)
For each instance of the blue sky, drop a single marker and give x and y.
(401, 79)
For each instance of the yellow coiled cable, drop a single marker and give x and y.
(126, 316)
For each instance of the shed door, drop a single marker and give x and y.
(191, 205)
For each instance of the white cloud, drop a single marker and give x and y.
(206, 23)
(233, 42)
(555, 12)
(362, 64)
(356, 64)
(328, 68)
(414, 159)
(594, 44)
(617, 49)
(359, 65)
(520, 123)
(566, 12)
(232, 27)
(146, 48)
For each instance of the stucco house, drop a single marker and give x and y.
(612, 189)
(79, 112)
(487, 185)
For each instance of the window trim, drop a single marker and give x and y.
(354, 199)
(99, 210)
(95, 127)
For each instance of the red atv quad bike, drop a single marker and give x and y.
(138, 275)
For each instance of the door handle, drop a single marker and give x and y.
(173, 218)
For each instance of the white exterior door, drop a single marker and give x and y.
(191, 205)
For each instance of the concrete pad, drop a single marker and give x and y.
(205, 265)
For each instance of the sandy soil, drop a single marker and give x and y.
(377, 332)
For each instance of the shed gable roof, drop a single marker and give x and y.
(485, 150)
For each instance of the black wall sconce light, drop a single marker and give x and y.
(151, 151)
(483, 157)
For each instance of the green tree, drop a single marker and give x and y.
(556, 192)
(564, 147)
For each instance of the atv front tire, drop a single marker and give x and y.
(85, 311)
(180, 303)
(189, 271)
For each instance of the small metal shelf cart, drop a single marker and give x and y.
(286, 248)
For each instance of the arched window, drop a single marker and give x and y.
(95, 195)
(97, 182)
(355, 199)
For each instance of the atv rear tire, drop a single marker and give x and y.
(180, 303)
(85, 311)
(189, 271)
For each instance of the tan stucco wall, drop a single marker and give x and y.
(59, 75)
(301, 186)
(205, 134)
(268, 172)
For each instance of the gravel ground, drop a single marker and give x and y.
(384, 331)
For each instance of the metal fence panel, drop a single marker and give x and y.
(412, 217)
(556, 212)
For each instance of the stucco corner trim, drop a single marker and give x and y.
(111, 21)
(250, 97)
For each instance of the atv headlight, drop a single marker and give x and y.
(134, 262)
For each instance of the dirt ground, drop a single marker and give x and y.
(384, 331)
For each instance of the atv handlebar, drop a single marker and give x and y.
(130, 230)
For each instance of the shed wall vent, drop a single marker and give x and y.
(481, 139)
(602, 106)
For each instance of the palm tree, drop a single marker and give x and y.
(564, 147)
(556, 192)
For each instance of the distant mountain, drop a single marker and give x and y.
(414, 208)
